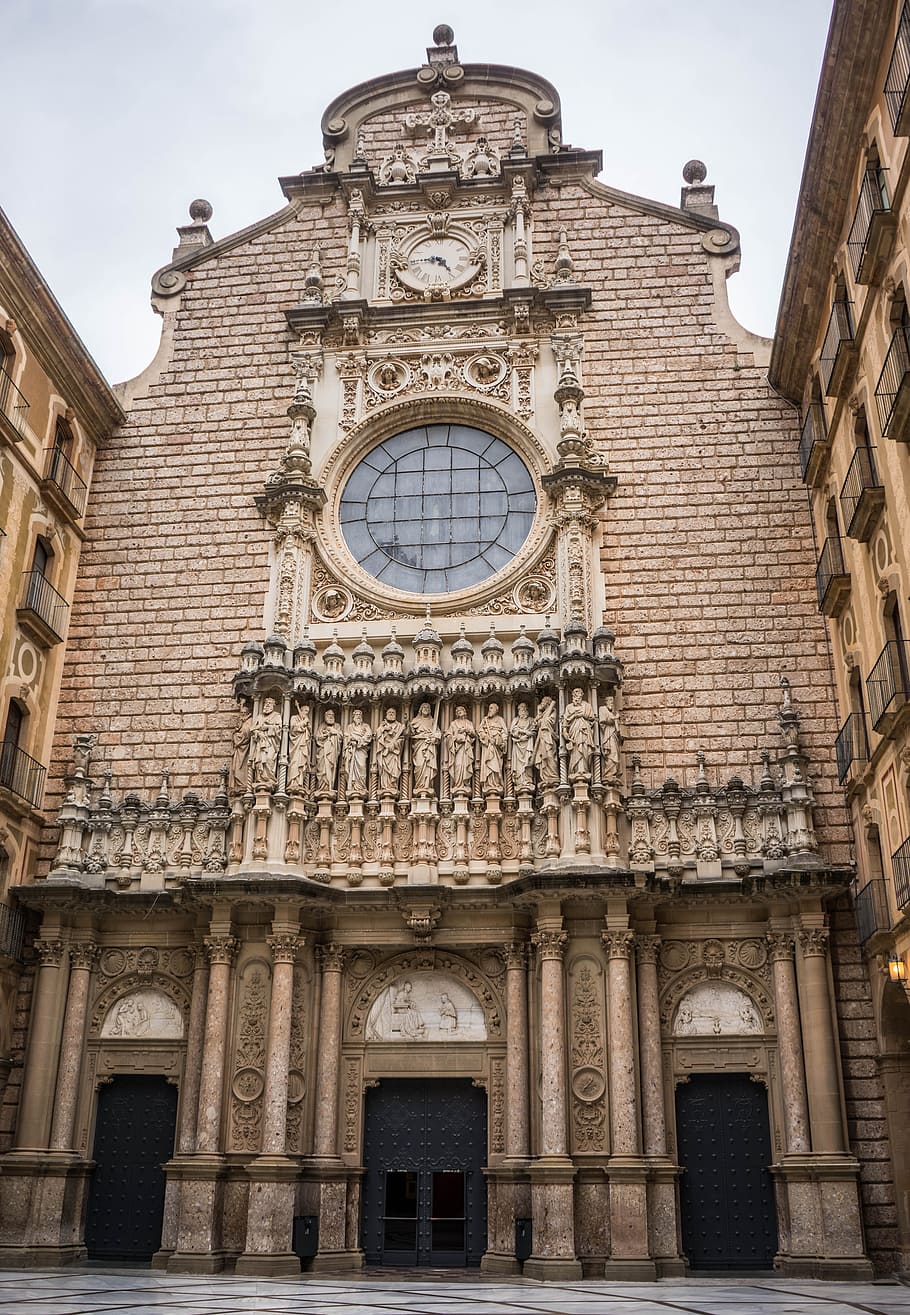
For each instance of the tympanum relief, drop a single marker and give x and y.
(426, 1007)
(716, 1009)
(148, 1014)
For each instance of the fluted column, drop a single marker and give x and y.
(192, 1068)
(822, 1064)
(325, 1133)
(284, 946)
(551, 944)
(789, 1044)
(83, 955)
(221, 950)
(40, 1072)
(517, 1122)
(623, 1103)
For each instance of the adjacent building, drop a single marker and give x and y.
(842, 354)
(451, 866)
(55, 409)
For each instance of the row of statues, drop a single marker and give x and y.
(528, 749)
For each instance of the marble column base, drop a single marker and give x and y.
(592, 1216)
(334, 1188)
(508, 1199)
(628, 1179)
(820, 1217)
(270, 1217)
(198, 1249)
(663, 1230)
(552, 1213)
(42, 1207)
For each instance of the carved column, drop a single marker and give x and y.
(199, 1248)
(789, 1044)
(326, 1162)
(822, 1062)
(82, 960)
(40, 1072)
(627, 1173)
(552, 1194)
(192, 1070)
(662, 1173)
(271, 1208)
(517, 1143)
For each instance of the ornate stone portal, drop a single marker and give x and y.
(429, 854)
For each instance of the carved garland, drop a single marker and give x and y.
(248, 1077)
(588, 1083)
(425, 961)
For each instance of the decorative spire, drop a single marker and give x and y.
(565, 266)
(313, 283)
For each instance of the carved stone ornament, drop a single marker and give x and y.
(426, 1006)
(285, 946)
(148, 1013)
(51, 953)
(221, 949)
(618, 944)
(716, 1009)
(781, 946)
(83, 955)
(813, 941)
(550, 944)
(439, 965)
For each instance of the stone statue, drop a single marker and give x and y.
(579, 732)
(494, 738)
(328, 751)
(546, 748)
(425, 736)
(609, 740)
(357, 740)
(448, 1014)
(300, 740)
(239, 778)
(265, 742)
(460, 752)
(522, 735)
(387, 753)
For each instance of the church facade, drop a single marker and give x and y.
(451, 866)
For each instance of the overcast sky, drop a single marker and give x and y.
(117, 113)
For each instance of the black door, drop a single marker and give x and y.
(726, 1194)
(424, 1193)
(134, 1136)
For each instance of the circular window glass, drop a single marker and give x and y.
(437, 508)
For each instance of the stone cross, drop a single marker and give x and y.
(440, 120)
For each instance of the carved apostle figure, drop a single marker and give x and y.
(328, 751)
(425, 736)
(387, 753)
(239, 777)
(522, 734)
(494, 739)
(300, 740)
(579, 732)
(265, 741)
(609, 740)
(460, 752)
(357, 740)
(546, 747)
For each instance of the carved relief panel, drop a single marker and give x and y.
(248, 1068)
(587, 1056)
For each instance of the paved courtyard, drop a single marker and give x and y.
(121, 1292)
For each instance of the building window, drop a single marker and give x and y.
(437, 508)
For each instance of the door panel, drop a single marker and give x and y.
(726, 1194)
(134, 1136)
(424, 1194)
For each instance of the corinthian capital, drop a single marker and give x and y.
(618, 944)
(83, 954)
(550, 944)
(221, 949)
(284, 946)
(332, 957)
(813, 941)
(516, 955)
(647, 948)
(780, 946)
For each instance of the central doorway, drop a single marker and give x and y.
(725, 1194)
(424, 1193)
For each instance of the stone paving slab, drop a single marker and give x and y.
(96, 1291)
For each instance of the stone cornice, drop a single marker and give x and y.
(50, 335)
(661, 210)
(850, 69)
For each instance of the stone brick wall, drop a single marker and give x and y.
(495, 121)
(866, 1123)
(707, 551)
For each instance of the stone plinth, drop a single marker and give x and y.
(332, 1191)
(823, 1225)
(630, 1256)
(508, 1199)
(552, 1211)
(199, 1249)
(42, 1208)
(269, 1233)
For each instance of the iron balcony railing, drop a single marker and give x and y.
(12, 404)
(60, 471)
(897, 82)
(832, 582)
(40, 596)
(813, 436)
(12, 931)
(887, 682)
(838, 340)
(862, 495)
(851, 745)
(892, 392)
(872, 911)
(863, 242)
(21, 774)
(900, 865)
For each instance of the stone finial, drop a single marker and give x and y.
(195, 235)
(565, 265)
(697, 195)
(443, 50)
(443, 35)
(313, 283)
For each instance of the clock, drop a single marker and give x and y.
(438, 265)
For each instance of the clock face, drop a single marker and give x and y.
(439, 262)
